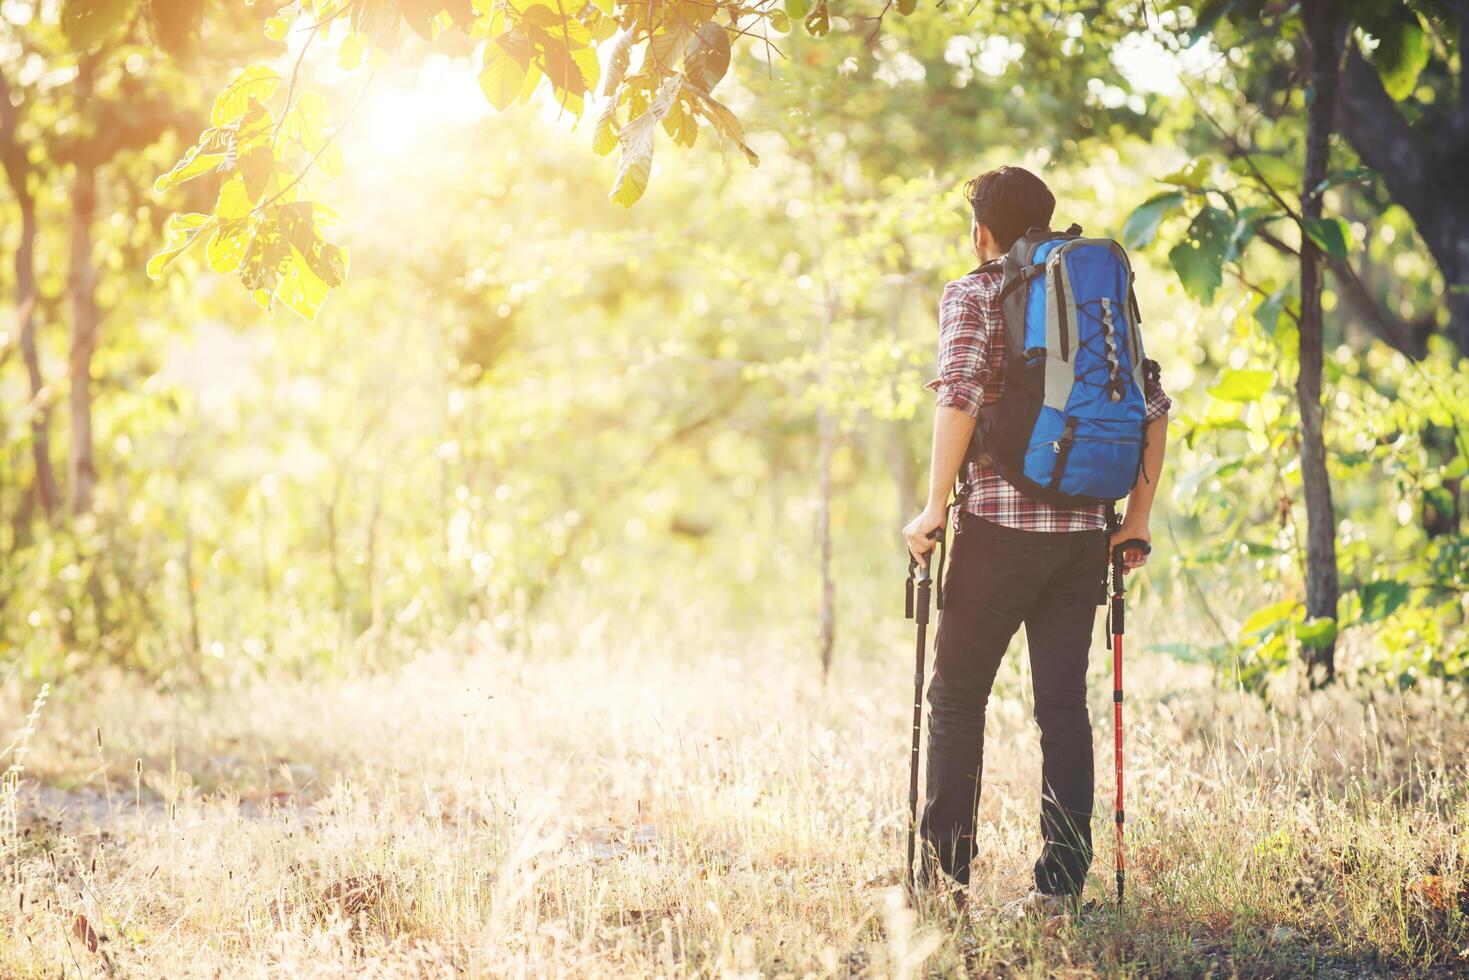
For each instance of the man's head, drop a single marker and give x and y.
(1007, 202)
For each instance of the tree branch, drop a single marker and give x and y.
(1380, 134)
(1353, 292)
(1401, 336)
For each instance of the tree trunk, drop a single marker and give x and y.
(1326, 37)
(18, 172)
(826, 436)
(82, 284)
(191, 601)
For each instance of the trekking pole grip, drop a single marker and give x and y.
(1131, 544)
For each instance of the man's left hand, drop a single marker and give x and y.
(917, 533)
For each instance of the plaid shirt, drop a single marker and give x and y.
(971, 374)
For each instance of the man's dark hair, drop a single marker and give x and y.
(1010, 201)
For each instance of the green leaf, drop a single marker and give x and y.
(1249, 221)
(1266, 619)
(1193, 175)
(668, 45)
(1267, 313)
(256, 83)
(1403, 47)
(256, 168)
(1456, 468)
(422, 16)
(1381, 599)
(179, 234)
(329, 262)
(1141, 226)
(632, 176)
(796, 9)
(707, 60)
(1241, 385)
(818, 21)
(727, 124)
(1330, 234)
(680, 124)
(227, 247)
(1208, 18)
(87, 23)
(234, 199)
(301, 290)
(636, 139)
(604, 135)
(1354, 175)
(571, 67)
(1316, 633)
(502, 74)
(1440, 500)
(195, 162)
(1199, 259)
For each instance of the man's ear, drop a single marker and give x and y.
(984, 240)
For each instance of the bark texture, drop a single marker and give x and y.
(1325, 34)
(1421, 167)
(85, 322)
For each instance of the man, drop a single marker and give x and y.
(1014, 560)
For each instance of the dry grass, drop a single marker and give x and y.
(592, 807)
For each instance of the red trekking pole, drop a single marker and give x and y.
(1115, 627)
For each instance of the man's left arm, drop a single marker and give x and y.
(952, 428)
(966, 329)
(1140, 501)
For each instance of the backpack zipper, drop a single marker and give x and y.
(1060, 291)
(1055, 444)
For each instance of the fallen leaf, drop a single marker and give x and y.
(83, 930)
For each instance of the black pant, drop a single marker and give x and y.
(998, 578)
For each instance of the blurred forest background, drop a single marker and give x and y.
(453, 456)
(524, 390)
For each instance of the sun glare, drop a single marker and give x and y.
(443, 95)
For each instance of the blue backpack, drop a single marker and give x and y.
(1069, 426)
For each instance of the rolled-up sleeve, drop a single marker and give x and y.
(1157, 401)
(964, 350)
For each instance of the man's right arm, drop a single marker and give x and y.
(1139, 510)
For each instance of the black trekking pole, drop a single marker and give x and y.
(1115, 626)
(920, 581)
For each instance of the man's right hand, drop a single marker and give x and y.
(1135, 558)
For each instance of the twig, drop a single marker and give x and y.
(878, 26)
(1239, 148)
(324, 146)
(291, 87)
